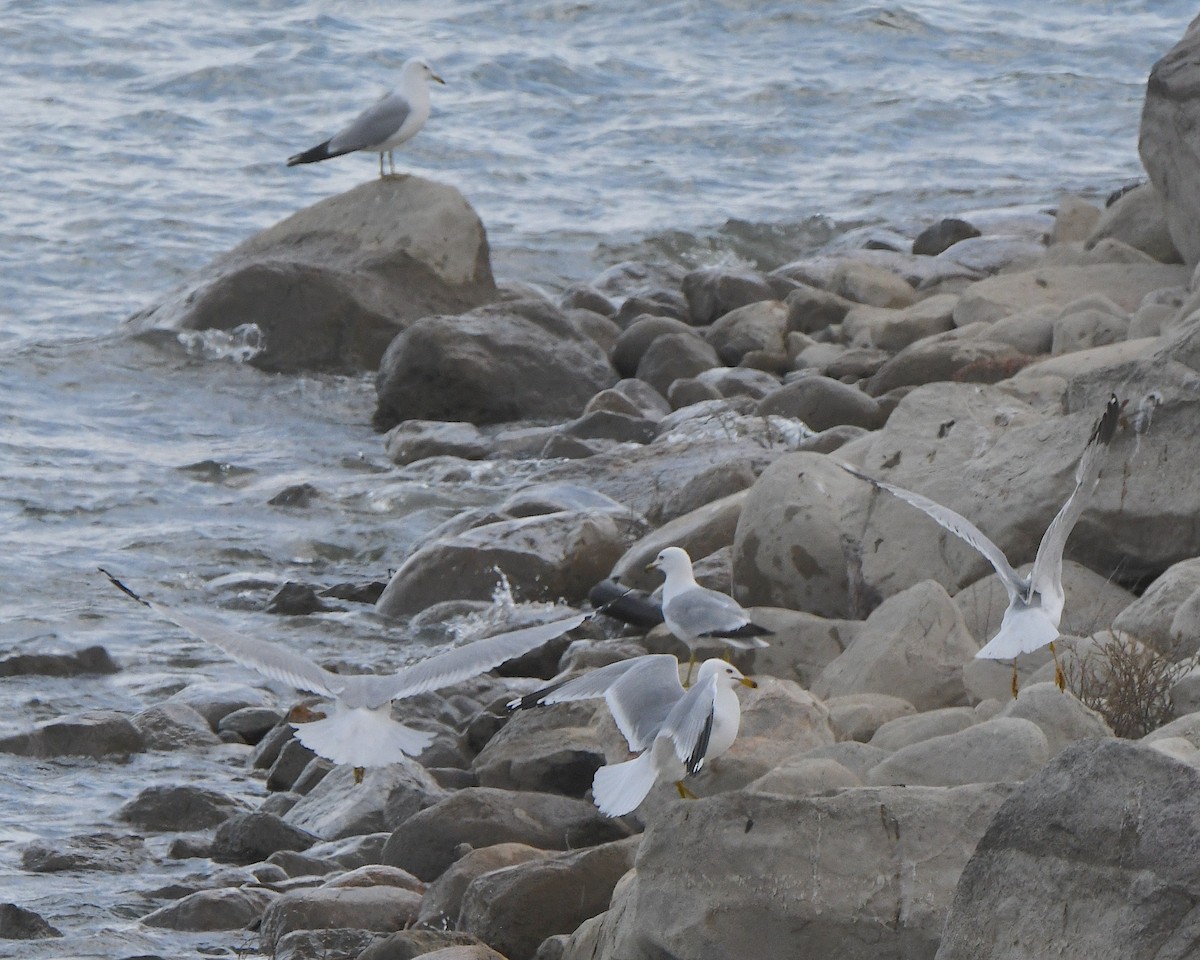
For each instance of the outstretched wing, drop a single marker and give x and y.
(958, 525)
(272, 661)
(640, 693)
(1047, 565)
(462, 662)
(689, 725)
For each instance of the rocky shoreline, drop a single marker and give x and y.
(886, 796)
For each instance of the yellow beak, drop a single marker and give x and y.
(747, 682)
(434, 76)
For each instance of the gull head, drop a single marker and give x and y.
(671, 560)
(417, 67)
(724, 671)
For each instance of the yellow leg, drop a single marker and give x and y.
(1014, 679)
(687, 682)
(684, 792)
(358, 774)
(1059, 677)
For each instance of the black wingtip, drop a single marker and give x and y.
(534, 699)
(316, 154)
(1106, 426)
(745, 630)
(696, 759)
(124, 589)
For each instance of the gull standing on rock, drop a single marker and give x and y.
(673, 730)
(694, 613)
(1035, 602)
(361, 730)
(395, 119)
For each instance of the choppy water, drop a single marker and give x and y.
(145, 137)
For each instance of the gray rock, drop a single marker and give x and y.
(866, 283)
(913, 646)
(802, 644)
(104, 852)
(755, 326)
(249, 837)
(85, 662)
(636, 339)
(1151, 618)
(1061, 717)
(227, 908)
(184, 807)
(811, 309)
(946, 357)
(173, 726)
(1083, 329)
(904, 731)
(335, 944)
(712, 292)
(338, 807)
(17, 923)
(216, 700)
(383, 909)
(443, 899)
(1139, 219)
(425, 844)
(495, 364)
(856, 716)
(822, 402)
(516, 908)
(673, 356)
(1074, 220)
(607, 425)
(794, 866)
(805, 777)
(415, 440)
(584, 296)
(251, 724)
(856, 757)
(94, 733)
(631, 396)
(293, 759)
(1003, 749)
(945, 233)
(331, 285)
(1108, 828)
(409, 944)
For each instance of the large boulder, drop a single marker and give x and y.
(331, 285)
(763, 875)
(1098, 855)
(501, 362)
(1166, 140)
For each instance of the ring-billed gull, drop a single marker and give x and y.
(694, 613)
(1035, 602)
(361, 730)
(674, 730)
(395, 119)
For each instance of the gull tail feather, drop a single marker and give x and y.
(1022, 631)
(619, 787)
(318, 153)
(362, 737)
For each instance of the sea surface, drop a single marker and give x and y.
(143, 138)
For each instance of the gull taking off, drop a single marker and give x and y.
(361, 730)
(694, 613)
(1035, 602)
(674, 730)
(395, 119)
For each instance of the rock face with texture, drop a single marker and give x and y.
(1005, 748)
(1098, 855)
(1165, 141)
(756, 875)
(330, 286)
(498, 363)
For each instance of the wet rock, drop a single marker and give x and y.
(292, 760)
(1067, 837)
(179, 808)
(945, 233)
(267, 750)
(856, 716)
(607, 425)
(822, 402)
(250, 837)
(496, 364)
(228, 908)
(712, 292)
(213, 700)
(334, 944)
(250, 723)
(1003, 749)
(17, 923)
(415, 440)
(383, 909)
(553, 751)
(408, 944)
(515, 909)
(173, 726)
(338, 807)
(94, 733)
(106, 852)
(1061, 717)
(353, 852)
(300, 495)
(795, 865)
(544, 557)
(296, 600)
(904, 731)
(443, 900)
(755, 326)
(89, 660)
(482, 816)
(673, 356)
(330, 286)
(913, 645)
